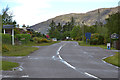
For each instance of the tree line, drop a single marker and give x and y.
(70, 29)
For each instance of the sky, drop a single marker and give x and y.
(31, 12)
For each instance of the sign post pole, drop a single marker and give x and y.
(13, 37)
(88, 36)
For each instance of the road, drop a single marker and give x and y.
(64, 60)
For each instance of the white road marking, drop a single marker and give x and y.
(12, 57)
(6, 76)
(69, 65)
(108, 63)
(20, 68)
(25, 76)
(85, 52)
(91, 75)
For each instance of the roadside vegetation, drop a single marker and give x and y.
(82, 43)
(6, 65)
(115, 60)
(25, 37)
(42, 44)
(100, 32)
(9, 50)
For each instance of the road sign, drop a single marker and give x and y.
(108, 46)
(88, 35)
(114, 36)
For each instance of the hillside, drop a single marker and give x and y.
(89, 18)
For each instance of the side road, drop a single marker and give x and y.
(73, 61)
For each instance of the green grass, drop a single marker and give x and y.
(8, 65)
(41, 44)
(113, 59)
(25, 49)
(18, 50)
(82, 43)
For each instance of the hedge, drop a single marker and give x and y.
(6, 38)
(24, 38)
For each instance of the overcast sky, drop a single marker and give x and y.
(30, 12)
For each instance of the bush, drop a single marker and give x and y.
(24, 38)
(5, 48)
(96, 39)
(44, 40)
(36, 39)
(6, 39)
(39, 40)
(78, 38)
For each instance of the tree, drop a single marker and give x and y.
(52, 29)
(23, 25)
(7, 16)
(66, 34)
(52, 25)
(56, 34)
(72, 23)
(76, 32)
(69, 25)
(65, 27)
(59, 27)
(113, 23)
(91, 29)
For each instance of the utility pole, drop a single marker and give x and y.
(98, 20)
(82, 30)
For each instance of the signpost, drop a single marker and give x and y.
(10, 27)
(88, 36)
(108, 46)
(114, 36)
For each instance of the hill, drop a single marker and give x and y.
(89, 18)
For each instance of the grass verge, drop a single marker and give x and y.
(25, 49)
(82, 43)
(18, 50)
(41, 44)
(6, 65)
(114, 59)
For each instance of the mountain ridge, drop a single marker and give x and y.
(89, 18)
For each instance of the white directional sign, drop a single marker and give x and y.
(114, 36)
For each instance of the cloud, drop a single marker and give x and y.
(88, 0)
(28, 11)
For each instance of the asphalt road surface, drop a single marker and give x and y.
(63, 60)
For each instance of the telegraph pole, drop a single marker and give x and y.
(98, 20)
(82, 30)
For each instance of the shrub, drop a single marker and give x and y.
(24, 38)
(44, 40)
(5, 48)
(78, 38)
(39, 40)
(100, 39)
(6, 38)
(96, 39)
(36, 39)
